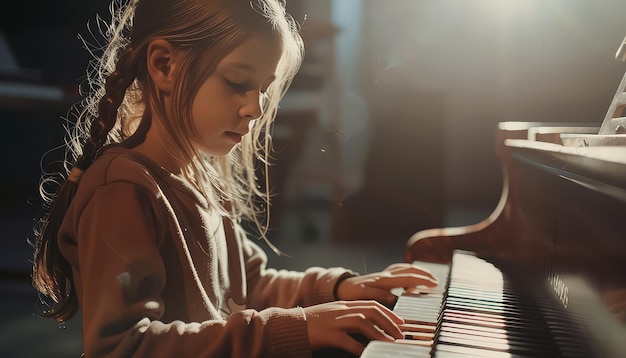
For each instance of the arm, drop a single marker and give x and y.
(120, 277)
(283, 288)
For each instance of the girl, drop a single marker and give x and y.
(144, 236)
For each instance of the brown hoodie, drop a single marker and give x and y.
(159, 274)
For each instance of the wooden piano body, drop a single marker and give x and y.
(559, 229)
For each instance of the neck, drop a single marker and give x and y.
(158, 147)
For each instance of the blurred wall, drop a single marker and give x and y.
(491, 61)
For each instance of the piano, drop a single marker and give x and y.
(545, 274)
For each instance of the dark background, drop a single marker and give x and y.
(43, 39)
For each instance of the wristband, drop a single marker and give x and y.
(341, 278)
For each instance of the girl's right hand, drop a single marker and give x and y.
(330, 324)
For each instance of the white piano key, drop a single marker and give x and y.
(380, 349)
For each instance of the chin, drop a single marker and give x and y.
(216, 152)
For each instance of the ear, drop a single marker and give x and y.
(162, 64)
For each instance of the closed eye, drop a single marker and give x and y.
(244, 87)
(240, 88)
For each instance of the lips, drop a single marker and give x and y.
(236, 137)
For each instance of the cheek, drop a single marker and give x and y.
(211, 101)
(203, 106)
(203, 119)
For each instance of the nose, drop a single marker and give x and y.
(252, 107)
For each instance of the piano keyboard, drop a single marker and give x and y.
(474, 312)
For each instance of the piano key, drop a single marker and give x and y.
(511, 333)
(412, 327)
(469, 341)
(510, 326)
(413, 342)
(423, 309)
(454, 351)
(380, 349)
(506, 312)
(419, 336)
(510, 337)
(493, 344)
(499, 296)
(480, 314)
(467, 329)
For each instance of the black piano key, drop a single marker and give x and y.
(419, 336)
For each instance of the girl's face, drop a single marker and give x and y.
(232, 96)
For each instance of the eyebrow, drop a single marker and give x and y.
(241, 66)
(246, 67)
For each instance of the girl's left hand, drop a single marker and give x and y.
(377, 286)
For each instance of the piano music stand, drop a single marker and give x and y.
(614, 121)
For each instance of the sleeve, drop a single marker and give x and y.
(119, 275)
(269, 287)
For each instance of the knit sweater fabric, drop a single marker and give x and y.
(158, 273)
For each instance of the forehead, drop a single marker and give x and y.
(258, 55)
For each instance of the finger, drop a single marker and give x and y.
(365, 321)
(398, 266)
(382, 295)
(384, 318)
(402, 280)
(362, 305)
(410, 268)
(373, 333)
(386, 322)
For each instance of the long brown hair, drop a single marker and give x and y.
(117, 109)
